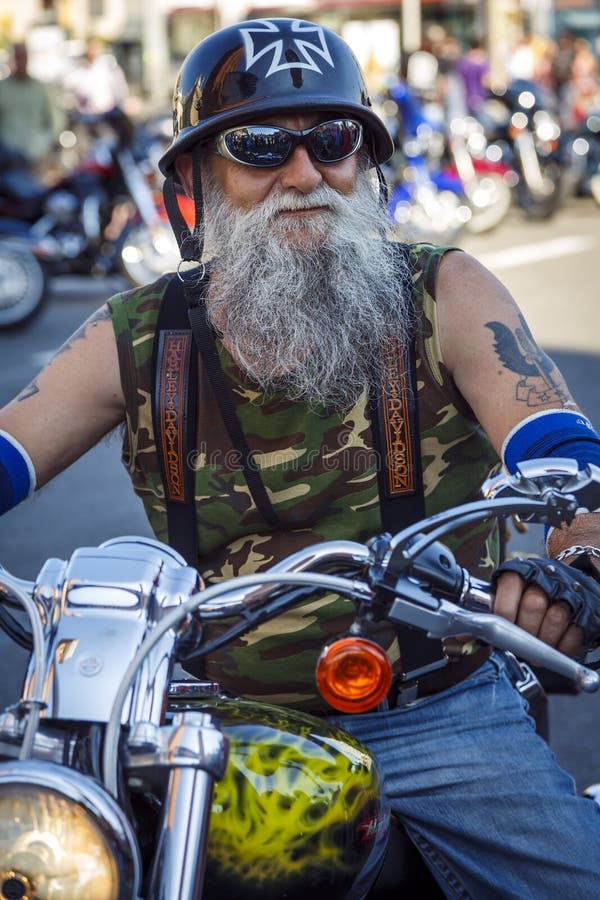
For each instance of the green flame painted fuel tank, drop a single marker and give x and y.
(298, 813)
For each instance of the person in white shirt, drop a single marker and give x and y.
(98, 85)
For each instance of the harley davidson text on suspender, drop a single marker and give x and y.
(172, 386)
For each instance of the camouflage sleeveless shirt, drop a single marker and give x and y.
(316, 465)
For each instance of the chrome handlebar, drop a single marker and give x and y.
(326, 557)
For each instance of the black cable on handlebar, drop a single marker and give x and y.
(15, 631)
(407, 544)
(250, 619)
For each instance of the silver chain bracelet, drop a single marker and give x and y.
(578, 550)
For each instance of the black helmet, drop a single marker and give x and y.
(268, 66)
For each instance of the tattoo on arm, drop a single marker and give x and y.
(99, 316)
(540, 382)
(29, 391)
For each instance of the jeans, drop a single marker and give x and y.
(481, 794)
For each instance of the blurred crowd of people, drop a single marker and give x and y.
(459, 77)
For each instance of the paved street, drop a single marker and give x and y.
(551, 267)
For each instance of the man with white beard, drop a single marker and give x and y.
(310, 323)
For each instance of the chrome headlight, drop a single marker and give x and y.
(62, 835)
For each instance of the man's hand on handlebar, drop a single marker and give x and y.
(561, 607)
(529, 608)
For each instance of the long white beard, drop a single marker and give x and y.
(305, 302)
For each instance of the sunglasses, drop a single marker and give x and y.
(271, 145)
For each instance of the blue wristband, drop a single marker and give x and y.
(17, 475)
(553, 433)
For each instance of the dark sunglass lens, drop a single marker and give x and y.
(335, 140)
(258, 145)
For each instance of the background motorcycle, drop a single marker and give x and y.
(441, 179)
(520, 119)
(105, 215)
(120, 783)
(486, 180)
(580, 156)
(23, 281)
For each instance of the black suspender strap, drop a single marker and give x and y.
(401, 498)
(396, 438)
(395, 428)
(205, 342)
(174, 416)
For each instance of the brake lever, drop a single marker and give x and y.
(415, 606)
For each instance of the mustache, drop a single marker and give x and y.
(292, 202)
(323, 198)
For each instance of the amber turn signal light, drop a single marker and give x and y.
(353, 674)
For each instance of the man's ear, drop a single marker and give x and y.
(183, 167)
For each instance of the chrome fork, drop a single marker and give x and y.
(195, 751)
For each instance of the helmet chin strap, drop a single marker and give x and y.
(383, 185)
(189, 240)
(198, 200)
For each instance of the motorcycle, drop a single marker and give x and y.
(520, 121)
(580, 155)
(23, 281)
(486, 180)
(119, 780)
(104, 215)
(441, 179)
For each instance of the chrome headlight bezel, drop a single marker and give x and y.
(94, 800)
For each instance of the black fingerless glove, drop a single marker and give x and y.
(562, 582)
